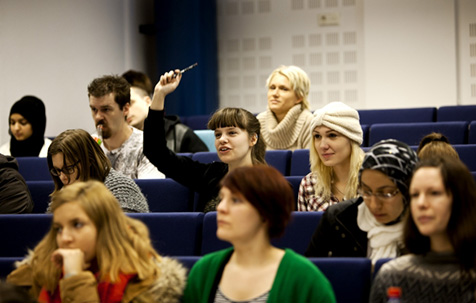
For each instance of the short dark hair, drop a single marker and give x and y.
(267, 190)
(461, 229)
(105, 85)
(140, 80)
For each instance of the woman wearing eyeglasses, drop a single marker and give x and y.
(75, 156)
(370, 225)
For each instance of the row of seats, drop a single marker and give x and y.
(350, 277)
(163, 195)
(172, 234)
(373, 116)
(458, 132)
(289, 163)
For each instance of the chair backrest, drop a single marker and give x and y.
(295, 182)
(7, 265)
(166, 195)
(365, 131)
(173, 234)
(467, 154)
(196, 122)
(279, 159)
(472, 133)
(350, 277)
(300, 164)
(400, 115)
(40, 193)
(187, 261)
(34, 168)
(297, 234)
(412, 133)
(22, 232)
(206, 157)
(208, 137)
(456, 113)
(474, 175)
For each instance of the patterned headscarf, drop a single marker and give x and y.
(395, 159)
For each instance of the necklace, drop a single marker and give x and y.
(335, 186)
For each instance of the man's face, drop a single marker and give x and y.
(139, 108)
(106, 112)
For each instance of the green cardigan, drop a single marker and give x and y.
(297, 280)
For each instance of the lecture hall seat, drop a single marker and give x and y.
(34, 168)
(400, 115)
(166, 195)
(456, 113)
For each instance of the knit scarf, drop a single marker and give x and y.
(284, 134)
(108, 292)
(383, 239)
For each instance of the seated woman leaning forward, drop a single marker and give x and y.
(75, 156)
(237, 140)
(370, 225)
(95, 253)
(440, 234)
(335, 157)
(256, 205)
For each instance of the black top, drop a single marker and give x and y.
(338, 234)
(15, 197)
(203, 178)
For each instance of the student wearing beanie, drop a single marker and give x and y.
(285, 124)
(27, 124)
(372, 229)
(335, 157)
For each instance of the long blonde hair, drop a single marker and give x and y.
(123, 244)
(324, 174)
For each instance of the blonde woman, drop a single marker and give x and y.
(335, 156)
(95, 253)
(285, 124)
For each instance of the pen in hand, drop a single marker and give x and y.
(185, 69)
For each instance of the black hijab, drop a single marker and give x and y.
(33, 110)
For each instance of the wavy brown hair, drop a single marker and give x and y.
(123, 244)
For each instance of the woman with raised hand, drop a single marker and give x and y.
(440, 234)
(255, 206)
(335, 157)
(93, 252)
(27, 124)
(237, 140)
(285, 123)
(370, 225)
(75, 156)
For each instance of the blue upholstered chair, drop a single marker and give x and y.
(472, 132)
(7, 265)
(456, 113)
(300, 165)
(166, 195)
(350, 277)
(467, 154)
(196, 122)
(378, 265)
(40, 193)
(400, 115)
(34, 169)
(297, 235)
(412, 133)
(295, 182)
(174, 234)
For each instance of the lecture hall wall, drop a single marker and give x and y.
(379, 53)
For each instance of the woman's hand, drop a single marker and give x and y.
(167, 84)
(70, 259)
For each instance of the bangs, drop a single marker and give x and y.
(227, 117)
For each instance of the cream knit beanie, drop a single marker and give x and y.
(341, 118)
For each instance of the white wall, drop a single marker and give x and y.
(54, 48)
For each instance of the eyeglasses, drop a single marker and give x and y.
(381, 195)
(67, 170)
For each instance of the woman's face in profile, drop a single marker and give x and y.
(20, 127)
(381, 196)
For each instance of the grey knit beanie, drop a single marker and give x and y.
(341, 118)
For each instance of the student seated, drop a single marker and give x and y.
(440, 234)
(237, 140)
(335, 157)
(436, 144)
(93, 252)
(255, 205)
(370, 225)
(75, 156)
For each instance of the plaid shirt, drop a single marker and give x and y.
(307, 198)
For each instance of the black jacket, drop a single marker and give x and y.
(15, 197)
(338, 234)
(181, 138)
